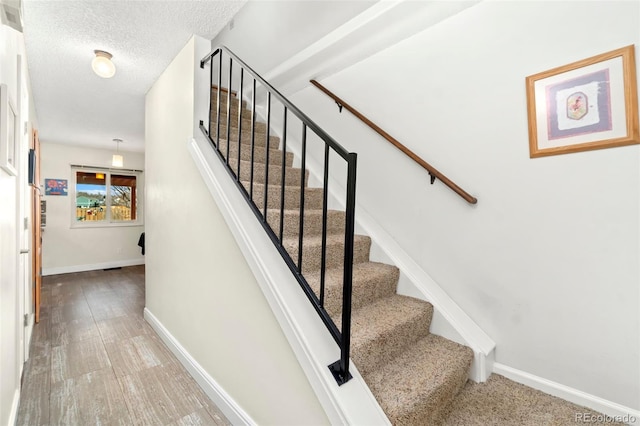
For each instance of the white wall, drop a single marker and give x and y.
(70, 249)
(12, 266)
(548, 261)
(198, 284)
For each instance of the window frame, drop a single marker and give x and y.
(108, 222)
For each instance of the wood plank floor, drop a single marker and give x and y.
(95, 361)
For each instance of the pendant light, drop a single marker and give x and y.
(117, 160)
(102, 64)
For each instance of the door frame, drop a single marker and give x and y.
(36, 230)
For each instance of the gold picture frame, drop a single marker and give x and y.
(586, 105)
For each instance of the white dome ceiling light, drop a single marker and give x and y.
(102, 64)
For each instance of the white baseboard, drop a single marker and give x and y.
(13, 414)
(234, 413)
(91, 267)
(611, 409)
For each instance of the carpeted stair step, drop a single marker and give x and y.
(260, 138)
(372, 281)
(312, 196)
(234, 106)
(292, 175)
(246, 113)
(246, 116)
(223, 100)
(385, 328)
(260, 127)
(259, 154)
(312, 250)
(418, 385)
(312, 222)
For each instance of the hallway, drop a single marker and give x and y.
(94, 359)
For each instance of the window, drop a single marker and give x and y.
(123, 197)
(106, 197)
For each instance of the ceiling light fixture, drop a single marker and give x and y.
(117, 160)
(102, 64)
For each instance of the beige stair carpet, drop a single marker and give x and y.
(418, 378)
(500, 401)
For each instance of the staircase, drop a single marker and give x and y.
(413, 374)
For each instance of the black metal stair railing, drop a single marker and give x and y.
(340, 368)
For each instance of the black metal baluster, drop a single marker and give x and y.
(347, 283)
(303, 167)
(266, 163)
(229, 112)
(210, 94)
(240, 119)
(253, 135)
(218, 101)
(283, 176)
(325, 193)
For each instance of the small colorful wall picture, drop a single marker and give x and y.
(589, 104)
(55, 187)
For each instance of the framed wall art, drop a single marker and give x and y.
(8, 132)
(56, 187)
(586, 105)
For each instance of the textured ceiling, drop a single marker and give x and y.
(75, 106)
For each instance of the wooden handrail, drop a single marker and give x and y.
(432, 170)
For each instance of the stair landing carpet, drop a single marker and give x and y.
(417, 378)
